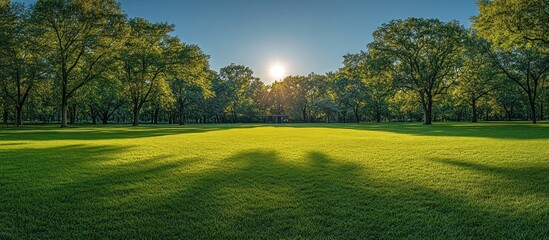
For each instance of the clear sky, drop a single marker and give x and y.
(304, 36)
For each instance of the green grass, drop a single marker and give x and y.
(447, 181)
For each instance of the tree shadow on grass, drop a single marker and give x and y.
(99, 133)
(515, 131)
(262, 196)
(501, 130)
(109, 132)
(76, 191)
(254, 194)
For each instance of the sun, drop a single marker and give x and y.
(278, 71)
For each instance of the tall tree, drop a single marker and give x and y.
(20, 56)
(298, 87)
(376, 82)
(236, 80)
(519, 32)
(423, 56)
(277, 100)
(479, 76)
(528, 68)
(81, 37)
(349, 88)
(192, 80)
(148, 55)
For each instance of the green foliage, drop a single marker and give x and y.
(239, 84)
(86, 60)
(479, 75)
(80, 37)
(422, 55)
(511, 23)
(149, 58)
(21, 60)
(529, 69)
(192, 79)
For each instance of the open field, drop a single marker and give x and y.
(454, 180)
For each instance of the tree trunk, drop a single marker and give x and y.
(18, 115)
(428, 116)
(93, 114)
(156, 111)
(181, 111)
(104, 119)
(64, 112)
(135, 116)
(533, 109)
(427, 104)
(357, 117)
(474, 107)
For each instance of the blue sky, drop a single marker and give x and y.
(302, 35)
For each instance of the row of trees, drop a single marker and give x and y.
(85, 61)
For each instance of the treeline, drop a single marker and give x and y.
(84, 61)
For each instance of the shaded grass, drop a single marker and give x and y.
(457, 181)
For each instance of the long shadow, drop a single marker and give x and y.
(495, 130)
(41, 133)
(268, 198)
(55, 193)
(253, 194)
(515, 131)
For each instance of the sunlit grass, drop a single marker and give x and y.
(487, 180)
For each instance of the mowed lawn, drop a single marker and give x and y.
(451, 180)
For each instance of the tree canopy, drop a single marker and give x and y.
(85, 61)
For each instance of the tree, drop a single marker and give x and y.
(192, 79)
(508, 23)
(404, 106)
(348, 94)
(526, 67)
(104, 98)
(297, 88)
(423, 56)
(519, 32)
(277, 100)
(257, 94)
(81, 37)
(148, 56)
(349, 88)
(478, 76)
(372, 86)
(509, 98)
(21, 60)
(236, 80)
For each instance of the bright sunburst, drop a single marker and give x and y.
(278, 71)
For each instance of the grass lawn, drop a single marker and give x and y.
(455, 180)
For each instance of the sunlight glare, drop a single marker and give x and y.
(278, 71)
